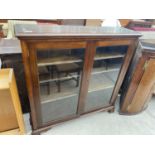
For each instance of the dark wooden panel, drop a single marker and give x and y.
(113, 43)
(143, 91)
(15, 61)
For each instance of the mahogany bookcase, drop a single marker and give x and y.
(52, 56)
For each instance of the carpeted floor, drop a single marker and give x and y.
(103, 123)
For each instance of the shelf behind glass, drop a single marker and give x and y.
(69, 89)
(70, 59)
(48, 78)
(98, 70)
(108, 55)
(58, 60)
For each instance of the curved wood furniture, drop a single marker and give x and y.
(142, 82)
(99, 85)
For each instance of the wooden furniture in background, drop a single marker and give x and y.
(52, 21)
(8, 25)
(11, 118)
(89, 46)
(10, 54)
(72, 22)
(142, 82)
(93, 22)
(148, 35)
(124, 22)
(139, 23)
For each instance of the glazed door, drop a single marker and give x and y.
(59, 67)
(104, 74)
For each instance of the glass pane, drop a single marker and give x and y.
(107, 64)
(59, 77)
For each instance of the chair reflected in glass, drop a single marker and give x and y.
(59, 67)
(68, 70)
